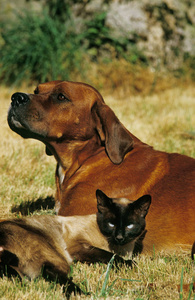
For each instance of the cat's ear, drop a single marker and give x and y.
(103, 201)
(141, 206)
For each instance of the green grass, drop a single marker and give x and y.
(35, 46)
(164, 120)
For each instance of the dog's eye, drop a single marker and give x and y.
(61, 97)
(36, 91)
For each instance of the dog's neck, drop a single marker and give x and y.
(70, 156)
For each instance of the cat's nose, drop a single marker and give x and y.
(119, 238)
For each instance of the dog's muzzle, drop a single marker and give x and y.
(19, 99)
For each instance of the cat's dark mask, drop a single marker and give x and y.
(121, 220)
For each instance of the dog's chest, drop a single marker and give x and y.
(61, 174)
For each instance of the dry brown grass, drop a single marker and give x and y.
(124, 78)
(164, 120)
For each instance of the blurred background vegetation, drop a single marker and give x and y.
(130, 46)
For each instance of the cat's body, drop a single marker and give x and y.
(53, 242)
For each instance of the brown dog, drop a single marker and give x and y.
(94, 150)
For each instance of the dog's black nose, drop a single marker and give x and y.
(19, 99)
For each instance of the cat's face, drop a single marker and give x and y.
(120, 219)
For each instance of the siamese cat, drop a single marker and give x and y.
(48, 245)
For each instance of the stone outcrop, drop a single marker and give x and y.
(163, 29)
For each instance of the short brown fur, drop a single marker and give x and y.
(94, 150)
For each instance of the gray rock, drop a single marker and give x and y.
(127, 19)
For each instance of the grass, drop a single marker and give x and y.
(164, 120)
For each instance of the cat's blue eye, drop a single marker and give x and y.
(110, 225)
(130, 226)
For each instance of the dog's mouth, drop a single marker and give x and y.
(13, 121)
(16, 123)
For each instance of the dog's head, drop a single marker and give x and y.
(62, 111)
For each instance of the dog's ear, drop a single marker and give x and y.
(116, 137)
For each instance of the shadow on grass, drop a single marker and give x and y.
(28, 207)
